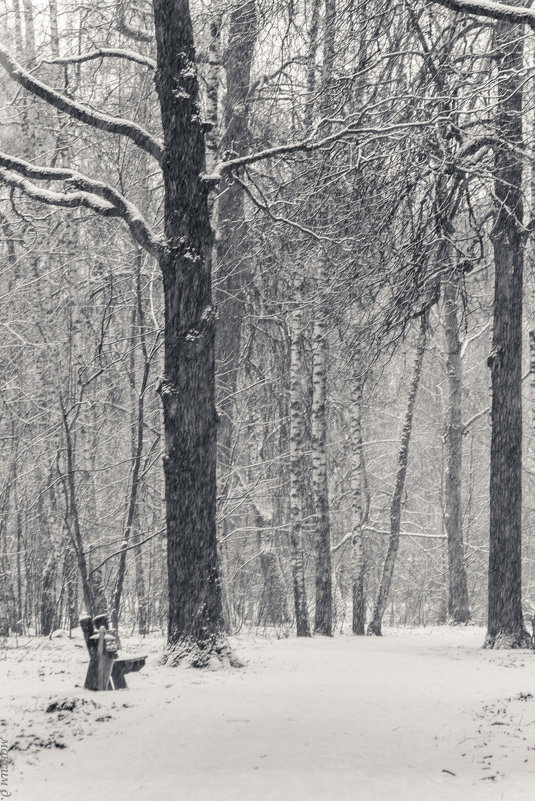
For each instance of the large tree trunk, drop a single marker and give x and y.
(195, 623)
(395, 508)
(458, 604)
(505, 621)
(231, 258)
(231, 253)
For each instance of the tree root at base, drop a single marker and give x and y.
(505, 640)
(213, 654)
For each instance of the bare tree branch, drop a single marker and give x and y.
(349, 131)
(104, 52)
(96, 119)
(127, 548)
(95, 195)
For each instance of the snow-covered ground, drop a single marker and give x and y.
(424, 715)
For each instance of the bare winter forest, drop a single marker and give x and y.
(267, 310)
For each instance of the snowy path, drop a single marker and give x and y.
(361, 719)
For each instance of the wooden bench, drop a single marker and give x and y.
(107, 670)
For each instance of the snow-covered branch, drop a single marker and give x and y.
(104, 52)
(52, 198)
(95, 195)
(95, 119)
(487, 8)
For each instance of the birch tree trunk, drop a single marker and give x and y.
(323, 620)
(458, 604)
(296, 469)
(374, 626)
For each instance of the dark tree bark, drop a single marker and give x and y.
(458, 603)
(195, 627)
(505, 621)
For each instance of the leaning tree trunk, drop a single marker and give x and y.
(137, 428)
(458, 604)
(72, 518)
(505, 621)
(195, 622)
(374, 626)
